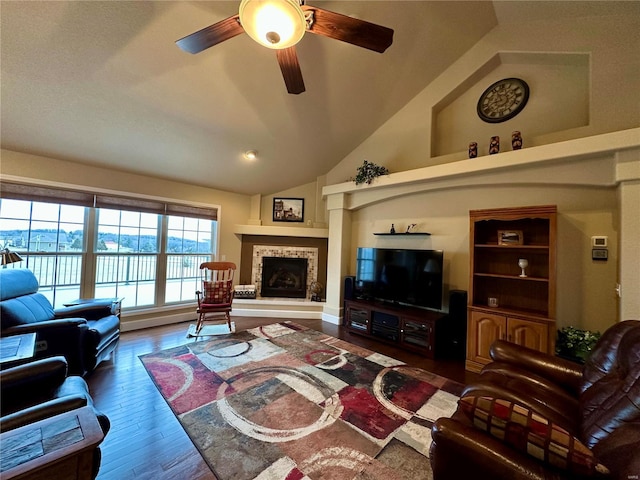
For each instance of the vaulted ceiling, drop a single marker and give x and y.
(103, 83)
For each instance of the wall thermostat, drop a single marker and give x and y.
(599, 254)
(599, 242)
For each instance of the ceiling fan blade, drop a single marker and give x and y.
(288, 61)
(211, 35)
(349, 29)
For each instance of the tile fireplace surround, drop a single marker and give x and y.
(259, 251)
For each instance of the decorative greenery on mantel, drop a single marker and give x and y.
(368, 171)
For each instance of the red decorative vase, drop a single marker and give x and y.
(516, 140)
(473, 150)
(494, 145)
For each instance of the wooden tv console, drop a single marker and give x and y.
(412, 328)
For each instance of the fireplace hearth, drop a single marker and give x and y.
(284, 277)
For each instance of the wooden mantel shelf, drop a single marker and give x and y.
(277, 231)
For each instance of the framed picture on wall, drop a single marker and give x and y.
(510, 237)
(288, 209)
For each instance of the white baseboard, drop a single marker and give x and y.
(130, 325)
(242, 308)
(326, 317)
(241, 312)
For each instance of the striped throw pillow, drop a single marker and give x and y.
(531, 433)
(217, 292)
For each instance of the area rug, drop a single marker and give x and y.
(286, 402)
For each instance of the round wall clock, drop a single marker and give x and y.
(503, 100)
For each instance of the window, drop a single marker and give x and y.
(366, 264)
(79, 244)
(189, 243)
(126, 252)
(50, 239)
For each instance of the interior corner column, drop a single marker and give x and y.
(337, 255)
(255, 215)
(628, 173)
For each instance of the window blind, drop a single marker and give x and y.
(35, 193)
(190, 211)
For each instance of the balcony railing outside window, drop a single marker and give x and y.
(79, 251)
(59, 276)
(183, 276)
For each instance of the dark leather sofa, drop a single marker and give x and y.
(597, 406)
(41, 389)
(84, 334)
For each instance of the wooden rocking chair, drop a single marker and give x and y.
(216, 295)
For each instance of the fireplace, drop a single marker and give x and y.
(308, 253)
(284, 277)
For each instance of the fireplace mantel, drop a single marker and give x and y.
(272, 230)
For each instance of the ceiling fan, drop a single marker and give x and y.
(280, 24)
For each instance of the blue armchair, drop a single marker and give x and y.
(84, 334)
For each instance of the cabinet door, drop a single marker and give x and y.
(528, 334)
(484, 329)
(415, 333)
(357, 318)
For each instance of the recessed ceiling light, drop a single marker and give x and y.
(251, 154)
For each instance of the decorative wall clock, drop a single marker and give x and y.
(503, 100)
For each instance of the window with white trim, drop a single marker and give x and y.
(50, 239)
(146, 251)
(126, 251)
(189, 243)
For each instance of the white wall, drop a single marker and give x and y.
(559, 94)
(307, 191)
(585, 288)
(629, 220)
(612, 43)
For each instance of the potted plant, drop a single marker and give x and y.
(575, 344)
(368, 171)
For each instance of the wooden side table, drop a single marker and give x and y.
(60, 447)
(15, 349)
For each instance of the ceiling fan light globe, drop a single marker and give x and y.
(275, 24)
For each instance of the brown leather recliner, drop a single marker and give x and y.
(42, 389)
(598, 404)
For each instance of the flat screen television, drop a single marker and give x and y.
(402, 276)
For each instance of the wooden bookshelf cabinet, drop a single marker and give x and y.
(525, 313)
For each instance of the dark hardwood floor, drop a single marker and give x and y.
(146, 440)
